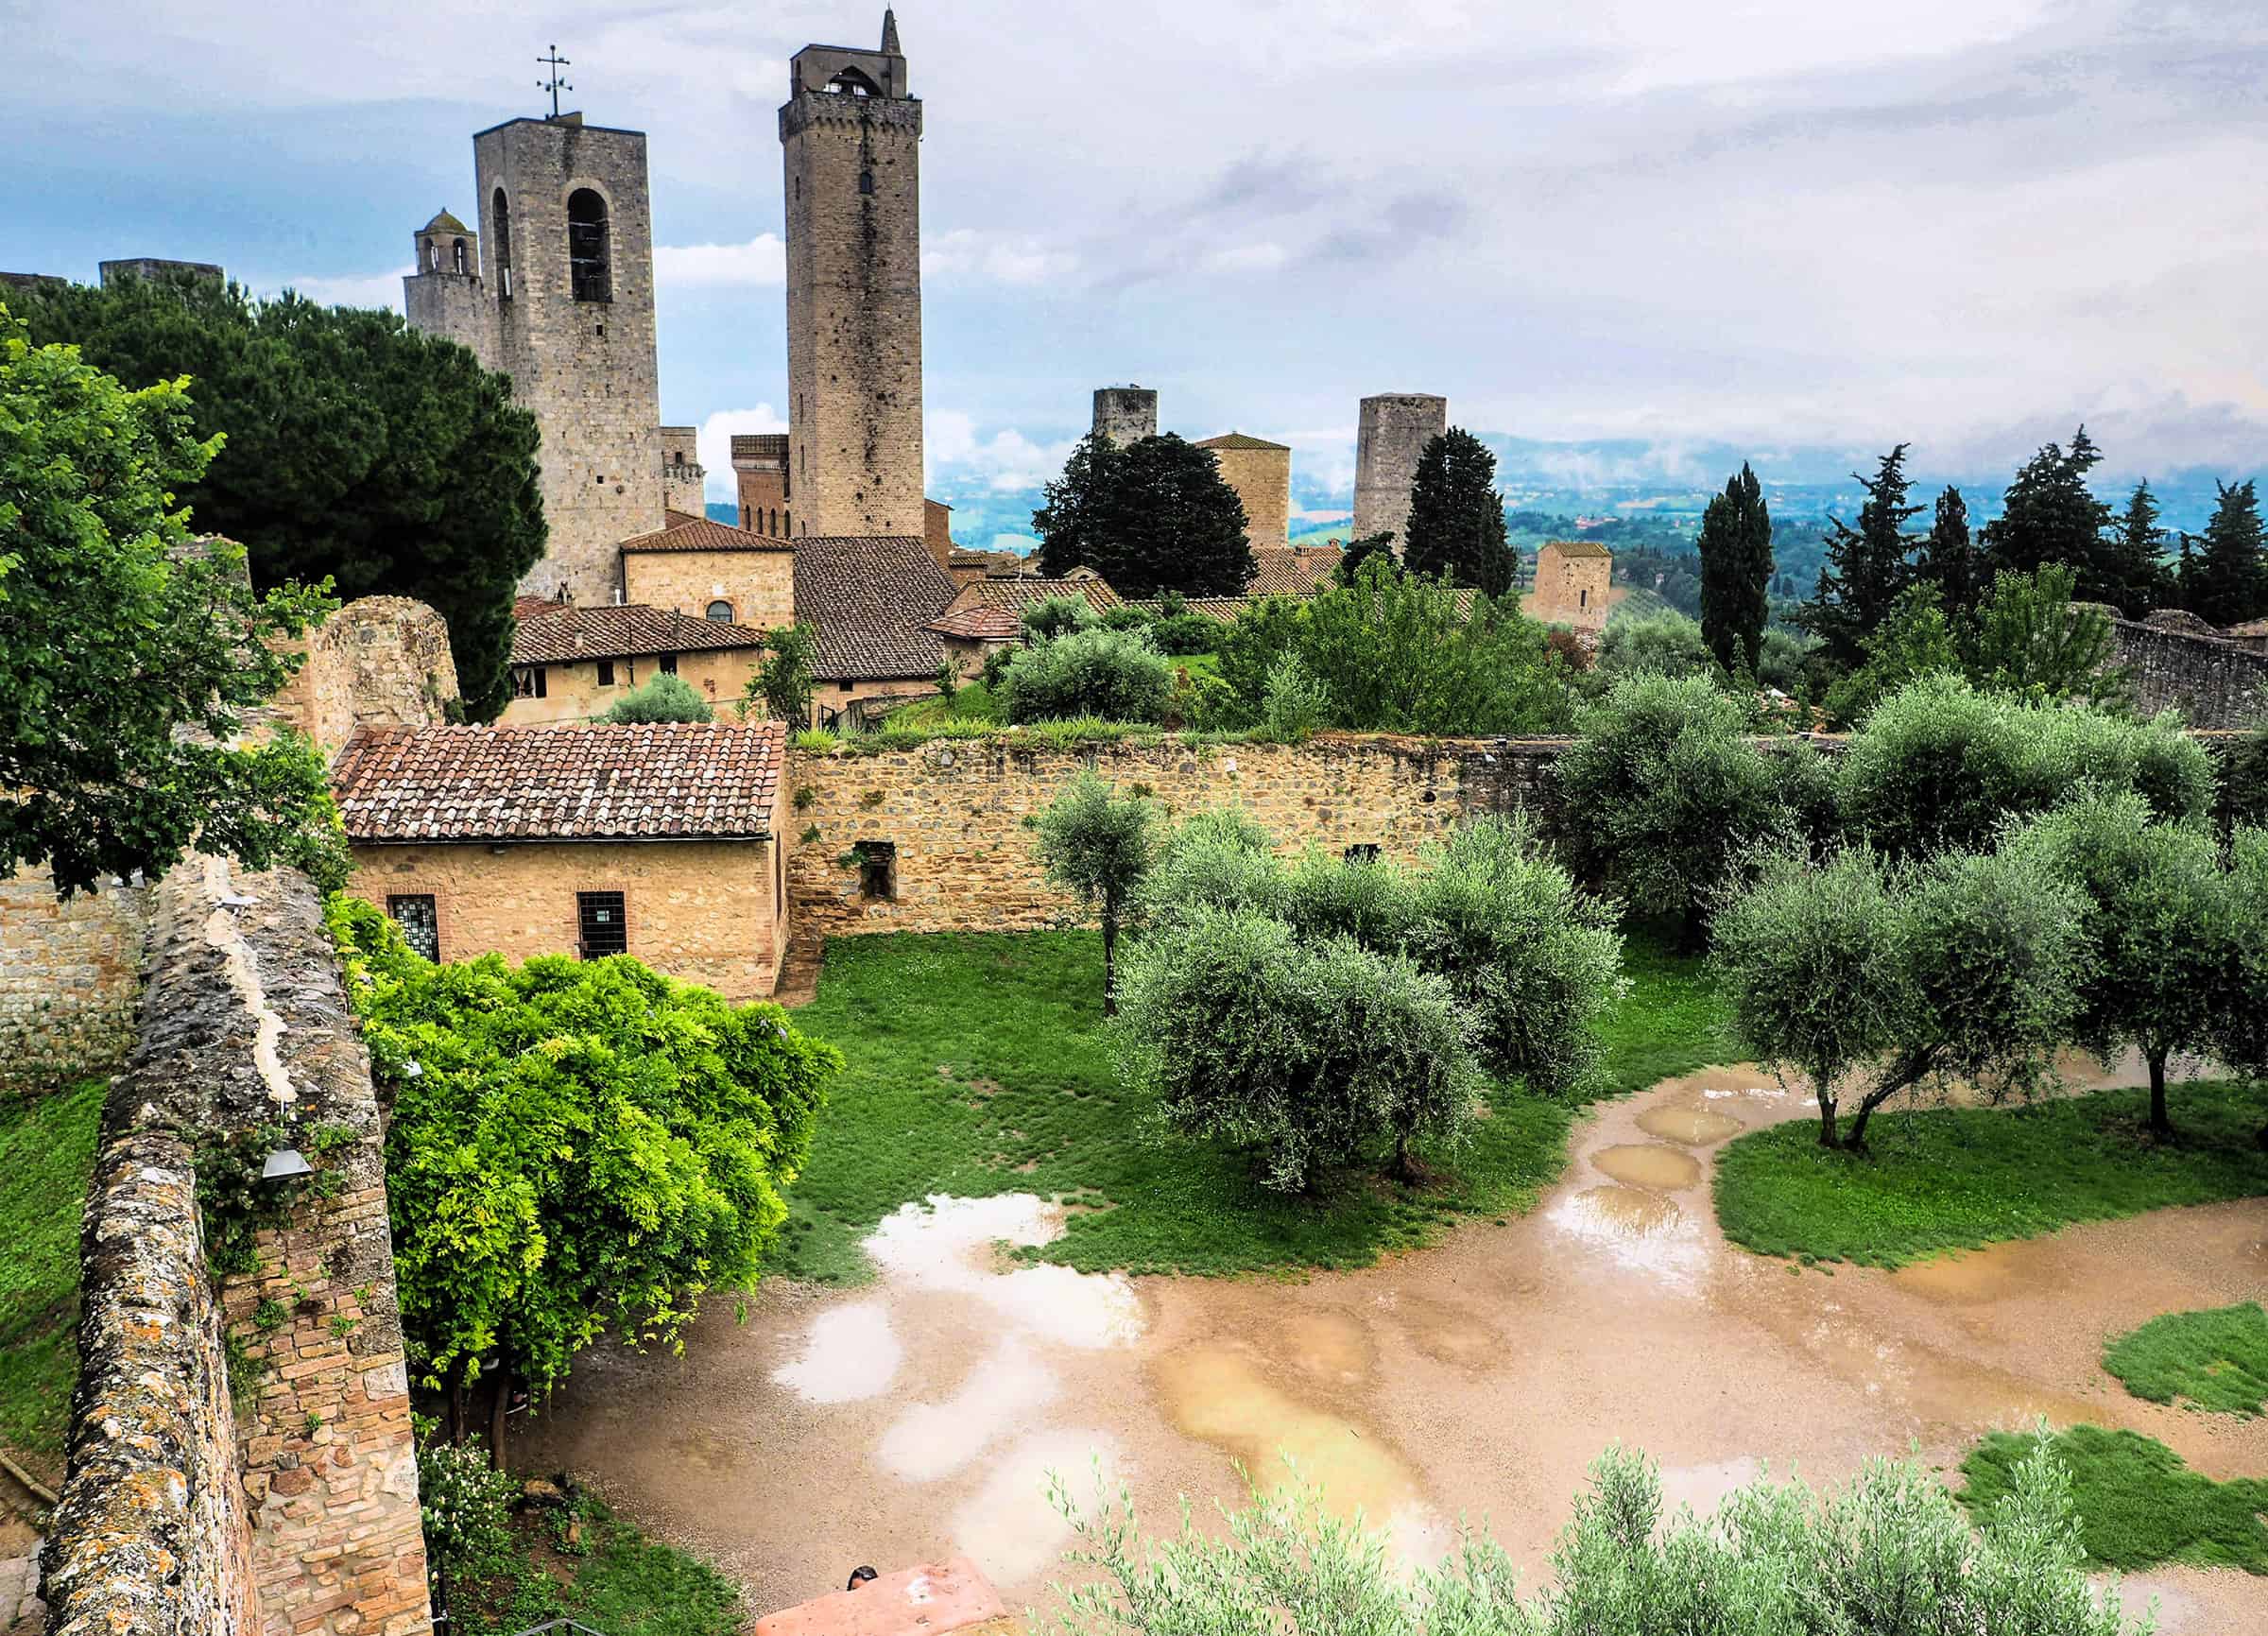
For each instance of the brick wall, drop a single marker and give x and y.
(70, 978)
(701, 910)
(2212, 681)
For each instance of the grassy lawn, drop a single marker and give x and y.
(613, 1579)
(2138, 1503)
(976, 1065)
(2218, 1360)
(47, 1155)
(1948, 1178)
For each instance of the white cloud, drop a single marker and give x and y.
(1005, 462)
(761, 261)
(714, 442)
(999, 258)
(1265, 257)
(354, 290)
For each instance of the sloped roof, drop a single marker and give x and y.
(560, 633)
(1578, 549)
(686, 532)
(1240, 440)
(870, 598)
(1018, 591)
(595, 782)
(980, 622)
(443, 222)
(1293, 570)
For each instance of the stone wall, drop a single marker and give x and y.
(1262, 477)
(954, 810)
(180, 1512)
(1394, 429)
(2215, 682)
(760, 584)
(378, 662)
(70, 978)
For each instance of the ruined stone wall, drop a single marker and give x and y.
(378, 662)
(954, 810)
(182, 1511)
(1393, 432)
(2213, 682)
(70, 978)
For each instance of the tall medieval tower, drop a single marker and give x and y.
(557, 290)
(852, 132)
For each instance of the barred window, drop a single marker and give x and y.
(600, 929)
(420, 921)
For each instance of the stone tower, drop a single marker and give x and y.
(1396, 427)
(444, 294)
(684, 480)
(1125, 414)
(565, 291)
(851, 132)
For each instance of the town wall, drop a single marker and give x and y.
(378, 662)
(70, 978)
(760, 585)
(2212, 681)
(704, 912)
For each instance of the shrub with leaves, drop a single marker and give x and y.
(1295, 704)
(782, 684)
(666, 698)
(1668, 644)
(1054, 616)
(1111, 674)
(576, 1148)
(465, 1504)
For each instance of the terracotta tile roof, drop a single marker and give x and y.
(1240, 440)
(560, 633)
(871, 596)
(1293, 570)
(694, 779)
(979, 621)
(1221, 607)
(1020, 590)
(686, 532)
(1577, 548)
(523, 606)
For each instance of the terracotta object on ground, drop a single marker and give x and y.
(924, 1601)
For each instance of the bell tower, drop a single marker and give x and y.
(851, 132)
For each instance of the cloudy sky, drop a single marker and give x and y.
(1787, 225)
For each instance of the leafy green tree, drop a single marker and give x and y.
(2050, 515)
(1735, 546)
(664, 698)
(1056, 616)
(2162, 921)
(133, 654)
(2245, 781)
(2137, 558)
(1073, 522)
(1948, 559)
(1866, 567)
(1361, 551)
(2240, 1032)
(1110, 675)
(1097, 845)
(1295, 704)
(1457, 527)
(2225, 583)
(1668, 644)
(2031, 638)
(357, 449)
(1966, 966)
(782, 683)
(1916, 640)
(575, 1148)
(1154, 516)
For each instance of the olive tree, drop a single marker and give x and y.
(2162, 920)
(1096, 844)
(2240, 1031)
(1115, 675)
(1856, 974)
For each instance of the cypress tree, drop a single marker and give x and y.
(1865, 566)
(1070, 521)
(2050, 515)
(2135, 559)
(1736, 570)
(2228, 578)
(1456, 516)
(1170, 523)
(1948, 561)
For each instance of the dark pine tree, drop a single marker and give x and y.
(2050, 515)
(1360, 551)
(1070, 521)
(1168, 521)
(2228, 579)
(1456, 516)
(2136, 561)
(1948, 561)
(1735, 544)
(1866, 567)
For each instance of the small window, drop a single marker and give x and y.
(588, 275)
(846, 686)
(433, 257)
(501, 241)
(1583, 598)
(721, 612)
(877, 868)
(419, 922)
(605, 673)
(600, 929)
(529, 682)
(865, 181)
(669, 664)
(1363, 853)
(458, 254)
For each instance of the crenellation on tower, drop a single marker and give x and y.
(1394, 431)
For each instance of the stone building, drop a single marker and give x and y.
(870, 599)
(851, 134)
(557, 290)
(1573, 584)
(759, 475)
(683, 479)
(1260, 473)
(1125, 414)
(653, 841)
(1394, 431)
(571, 663)
(714, 571)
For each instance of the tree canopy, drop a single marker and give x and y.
(1866, 567)
(1096, 844)
(355, 448)
(2049, 514)
(1735, 546)
(2226, 580)
(1154, 516)
(1457, 528)
(132, 652)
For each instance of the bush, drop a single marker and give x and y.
(2245, 781)
(664, 698)
(1667, 644)
(1306, 1054)
(1296, 703)
(1055, 616)
(1662, 795)
(1185, 635)
(1940, 764)
(1114, 675)
(1890, 1553)
(465, 1504)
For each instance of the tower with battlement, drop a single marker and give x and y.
(1125, 415)
(852, 134)
(559, 296)
(1395, 429)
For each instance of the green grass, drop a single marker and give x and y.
(2138, 1503)
(1950, 1179)
(2218, 1360)
(976, 1065)
(621, 1582)
(47, 1155)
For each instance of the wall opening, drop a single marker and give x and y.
(721, 611)
(877, 868)
(605, 673)
(600, 928)
(529, 682)
(502, 211)
(420, 921)
(457, 254)
(589, 277)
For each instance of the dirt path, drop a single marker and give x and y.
(919, 1415)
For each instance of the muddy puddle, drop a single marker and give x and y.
(1643, 1165)
(1696, 1126)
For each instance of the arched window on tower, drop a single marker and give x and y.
(457, 254)
(503, 213)
(433, 256)
(586, 271)
(850, 82)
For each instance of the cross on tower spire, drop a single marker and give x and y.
(555, 84)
